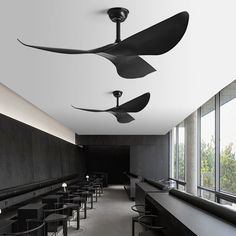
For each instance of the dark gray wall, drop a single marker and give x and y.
(149, 154)
(117, 139)
(114, 160)
(28, 155)
(151, 161)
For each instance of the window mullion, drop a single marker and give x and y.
(177, 152)
(217, 143)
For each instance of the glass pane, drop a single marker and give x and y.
(181, 152)
(181, 187)
(228, 204)
(228, 139)
(208, 195)
(208, 144)
(174, 154)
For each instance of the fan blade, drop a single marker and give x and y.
(91, 110)
(134, 105)
(122, 117)
(69, 51)
(156, 40)
(129, 67)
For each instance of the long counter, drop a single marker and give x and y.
(182, 218)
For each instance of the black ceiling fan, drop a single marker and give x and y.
(121, 111)
(156, 40)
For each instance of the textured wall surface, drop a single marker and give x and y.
(28, 155)
(111, 159)
(151, 161)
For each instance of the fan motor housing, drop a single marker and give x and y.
(118, 14)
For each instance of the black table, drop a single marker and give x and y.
(81, 200)
(50, 200)
(29, 211)
(53, 218)
(76, 207)
(198, 221)
(87, 194)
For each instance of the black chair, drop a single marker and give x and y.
(140, 209)
(34, 227)
(150, 223)
(55, 218)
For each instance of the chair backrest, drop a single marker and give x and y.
(212, 207)
(31, 231)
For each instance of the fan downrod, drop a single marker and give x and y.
(118, 15)
(117, 94)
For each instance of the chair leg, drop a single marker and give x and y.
(133, 227)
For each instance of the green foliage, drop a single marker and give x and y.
(227, 167)
(208, 164)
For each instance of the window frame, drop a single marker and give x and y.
(177, 180)
(219, 194)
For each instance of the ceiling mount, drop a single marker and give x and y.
(117, 94)
(118, 14)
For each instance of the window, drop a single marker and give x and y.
(177, 163)
(217, 172)
(207, 153)
(181, 152)
(228, 139)
(174, 154)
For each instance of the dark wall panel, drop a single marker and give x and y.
(113, 160)
(117, 140)
(151, 161)
(28, 155)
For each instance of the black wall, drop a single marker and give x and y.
(151, 161)
(28, 155)
(111, 159)
(149, 154)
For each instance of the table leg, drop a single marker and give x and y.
(78, 218)
(85, 209)
(91, 201)
(65, 227)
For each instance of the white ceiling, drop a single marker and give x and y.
(197, 68)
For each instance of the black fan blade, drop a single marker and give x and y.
(156, 40)
(129, 67)
(91, 110)
(134, 105)
(69, 51)
(122, 117)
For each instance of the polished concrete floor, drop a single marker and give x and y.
(111, 215)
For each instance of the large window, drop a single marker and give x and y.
(228, 139)
(177, 171)
(207, 155)
(181, 152)
(217, 172)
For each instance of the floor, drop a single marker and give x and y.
(111, 215)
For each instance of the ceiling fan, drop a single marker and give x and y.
(124, 54)
(121, 111)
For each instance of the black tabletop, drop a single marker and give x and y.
(53, 196)
(32, 206)
(198, 221)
